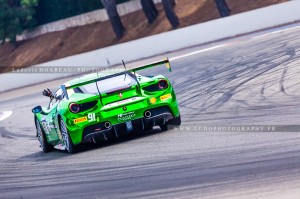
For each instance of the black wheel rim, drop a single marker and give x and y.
(65, 135)
(40, 134)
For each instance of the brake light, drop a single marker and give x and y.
(162, 84)
(74, 108)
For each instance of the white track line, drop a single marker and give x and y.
(5, 114)
(275, 32)
(196, 52)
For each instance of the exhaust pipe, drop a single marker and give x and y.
(147, 114)
(107, 125)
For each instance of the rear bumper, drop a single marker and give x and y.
(158, 116)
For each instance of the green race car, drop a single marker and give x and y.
(104, 106)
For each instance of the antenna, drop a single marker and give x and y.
(125, 69)
(124, 64)
(100, 96)
(137, 81)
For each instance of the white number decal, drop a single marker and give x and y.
(92, 117)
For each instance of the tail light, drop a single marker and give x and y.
(162, 84)
(74, 108)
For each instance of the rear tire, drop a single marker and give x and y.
(175, 122)
(164, 127)
(45, 146)
(66, 138)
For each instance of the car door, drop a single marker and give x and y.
(50, 117)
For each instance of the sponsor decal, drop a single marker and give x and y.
(153, 100)
(46, 127)
(165, 97)
(80, 120)
(43, 119)
(126, 116)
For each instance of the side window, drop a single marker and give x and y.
(59, 95)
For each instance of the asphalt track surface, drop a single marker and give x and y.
(249, 81)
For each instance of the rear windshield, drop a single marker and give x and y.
(107, 85)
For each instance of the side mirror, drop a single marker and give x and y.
(48, 93)
(37, 109)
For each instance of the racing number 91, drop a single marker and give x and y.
(92, 117)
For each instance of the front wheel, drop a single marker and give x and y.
(66, 138)
(46, 147)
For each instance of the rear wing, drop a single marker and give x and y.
(133, 70)
(165, 61)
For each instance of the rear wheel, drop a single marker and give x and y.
(66, 138)
(164, 127)
(175, 122)
(46, 147)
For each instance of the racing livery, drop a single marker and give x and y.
(103, 106)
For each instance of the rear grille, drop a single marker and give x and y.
(120, 129)
(93, 128)
(151, 88)
(160, 110)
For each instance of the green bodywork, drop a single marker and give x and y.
(116, 107)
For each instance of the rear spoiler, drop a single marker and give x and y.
(133, 70)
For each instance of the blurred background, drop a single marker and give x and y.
(35, 31)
